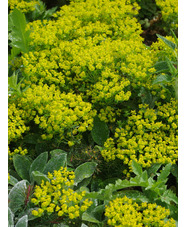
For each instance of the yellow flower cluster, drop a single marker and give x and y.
(124, 212)
(16, 123)
(149, 136)
(57, 196)
(57, 114)
(24, 6)
(93, 48)
(169, 10)
(109, 114)
(18, 150)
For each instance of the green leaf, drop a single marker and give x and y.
(153, 169)
(17, 195)
(136, 167)
(20, 37)
(48, 13)
(100, 131)
(169, 196)
(174, 170)
(12, 180)
(161, 66)
(12, 80)
(89, 218)
(39, 163)
(57, 152)
(172, 68)
(164, 173)
(84, 171)
(167, 42)
(134, 194)
(83, 225)
(55, 163)
(22, 166)
(10, 218)
(22, 222)
(31, 138)
(162, 79)
(38, 177)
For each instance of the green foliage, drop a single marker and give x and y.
(22, 222)
(84, 171)
(169, 78)
(100, 131)
(55, 163)
(10, 218)
(84, 85)
(22, 166)
(19, 36)
(16, 196)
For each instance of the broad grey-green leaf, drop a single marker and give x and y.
(55, 163)
(17, 195)
(38, 177)
(10, 218)
(39, 163)
(83, 171)
(22, 166)
(100, 131)
(22, 222)
(12, 180)
(57, 152)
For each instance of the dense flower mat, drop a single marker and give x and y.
(92, 115)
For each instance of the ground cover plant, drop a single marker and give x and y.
(93, 113)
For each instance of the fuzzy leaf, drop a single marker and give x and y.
(10, 218)
(57, 152)
(17, 195)
(22, 166)
(39, 163)
(38, 177)
(55, 163)
(12, 180)
(100, 131)
(84, 171)
(22, 222)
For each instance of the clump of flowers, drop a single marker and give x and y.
(149, 136)
(57, 196)
(16, 123)
(93, 48)
(169, 10)
(57, 114)
(125, 212)
(18, 150)
(24, 6)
